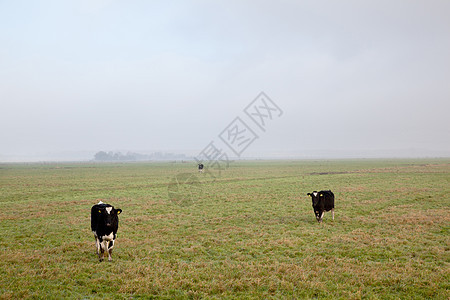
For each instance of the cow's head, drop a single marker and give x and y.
(108, 214)
(315, 196)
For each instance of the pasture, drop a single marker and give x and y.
(250, 233)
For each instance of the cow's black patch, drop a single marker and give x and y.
(110, 244)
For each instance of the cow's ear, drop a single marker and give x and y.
(309, 194)
(118, 211)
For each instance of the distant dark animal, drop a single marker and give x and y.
(200, 168)
(104, 225)
(322, 201)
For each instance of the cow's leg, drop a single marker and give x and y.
(332, 213)
(101, 253)
(321, 217)
(110, 249)
(97, 245)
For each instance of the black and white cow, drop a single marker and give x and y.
(200, 168)
(322, 201)
(104, 225)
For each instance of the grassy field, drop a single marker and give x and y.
(250, 233)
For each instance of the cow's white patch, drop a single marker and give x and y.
(321, 216)
(108, 210)
(108, 237)
(100, 202)
(315, 194)
(104, 245)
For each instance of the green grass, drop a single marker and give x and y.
(251, 233)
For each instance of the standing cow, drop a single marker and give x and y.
(322, 201)
(104, 225)
(200, 168)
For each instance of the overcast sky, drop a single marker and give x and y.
(350, 76)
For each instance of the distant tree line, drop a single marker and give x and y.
(131, 156)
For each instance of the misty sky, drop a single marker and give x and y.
(171, 75)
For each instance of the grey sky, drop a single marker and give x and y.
(171, 75)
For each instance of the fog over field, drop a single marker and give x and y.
(341, 79)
